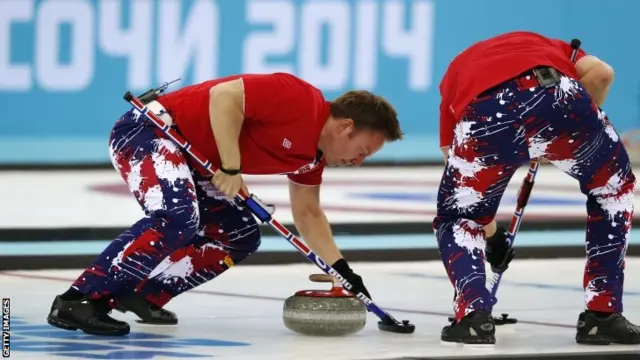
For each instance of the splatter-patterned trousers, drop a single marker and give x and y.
(503, 129)
(190, 233)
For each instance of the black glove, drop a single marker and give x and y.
(354, 279)
(498, 252)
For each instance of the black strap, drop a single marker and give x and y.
(230, 171)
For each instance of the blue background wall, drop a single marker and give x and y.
(64, 64)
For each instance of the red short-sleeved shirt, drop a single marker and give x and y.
(284, 116)
(490, 62)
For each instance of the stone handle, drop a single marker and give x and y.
(325, 278)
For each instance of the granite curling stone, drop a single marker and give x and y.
(334, 312)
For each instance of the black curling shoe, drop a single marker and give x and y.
(90, 316)
(595, 328)
(147, 312)
(477, 328)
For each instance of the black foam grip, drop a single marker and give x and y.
(575, 44)
(128, 96)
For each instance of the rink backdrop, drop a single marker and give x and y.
(64, 64)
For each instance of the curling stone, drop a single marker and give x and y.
(332, 312)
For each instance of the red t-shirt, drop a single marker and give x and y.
(493, 61)
(284, 116)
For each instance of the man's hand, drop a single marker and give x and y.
(498, 252)
(342, 267)
(230, 185)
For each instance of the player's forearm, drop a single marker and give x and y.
(316, 232)
(596, 76)
(597, 86)
(226, 117)
(490, 229)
